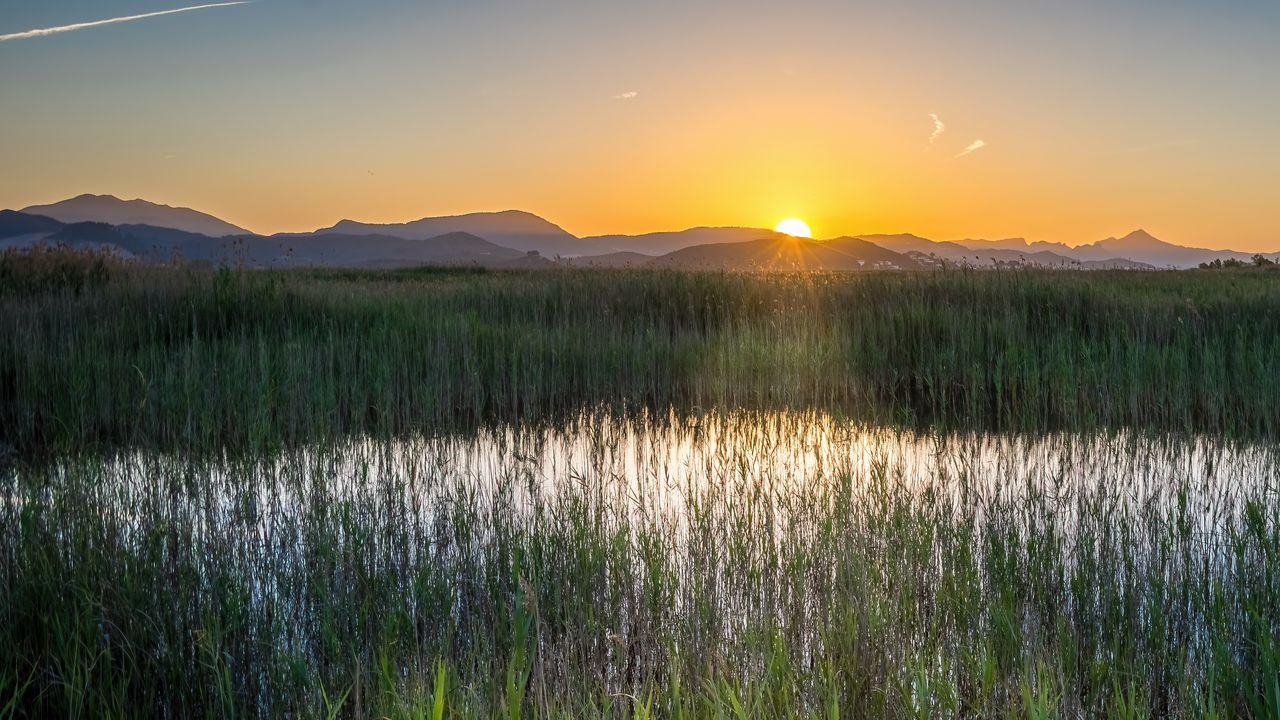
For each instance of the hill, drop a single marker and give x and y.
(164, 244)
(786, 253)
(513, 229)
(1142, 246)
(660, 243)
(1000, 253)
(14, 224)
(150, 230)
(1139, 248)
(114, 211)
(337, 250)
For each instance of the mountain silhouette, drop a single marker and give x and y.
(139, 228)
(786, 253)
(661, 243)
(1001, 253)
(16, 224)
(513, 229)
(339, 250)
(1139, 248)
(114, 211)
(1142, 246)
(166, 244)
(1020, 245)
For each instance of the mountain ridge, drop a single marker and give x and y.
(786, 253)
(115, 211)
(523, 232)
(515, 229)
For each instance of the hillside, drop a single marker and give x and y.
(14, 224)
(998, 253)
(660, 243)
(114, 211)
(786, 253)
(513, 229)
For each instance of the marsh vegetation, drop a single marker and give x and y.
(637, 494)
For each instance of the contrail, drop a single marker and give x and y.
(938, 127)
(128, 18)
(975, 145)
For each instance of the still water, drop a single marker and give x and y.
(663, 468)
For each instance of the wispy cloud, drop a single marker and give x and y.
(628, 95)
(973, 147)
(41, 32)
(938, 127)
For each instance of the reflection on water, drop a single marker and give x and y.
(721, 541)
(663, 468)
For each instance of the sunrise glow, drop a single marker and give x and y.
(794, 227)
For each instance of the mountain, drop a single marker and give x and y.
(514, 229)
(1139, 248)
(114, 211)
(514, 238)
(1142, 246)
(140, 241)
(1018, 244)
(868, 253)
(906, 242)
(1001, 253)
(99, 236)
(336, 250)
(164, 244)
(14, 224)
(786, 253)
(660, 243)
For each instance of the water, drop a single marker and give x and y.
(659, 467)
(636, 540)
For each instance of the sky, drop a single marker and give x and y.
(1058, 121)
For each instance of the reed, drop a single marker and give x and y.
(630, 494)
(202, 360)
(375, 579)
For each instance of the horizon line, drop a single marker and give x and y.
(957, 240)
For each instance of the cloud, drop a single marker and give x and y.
(973, 147)
(628, 95)
(938, 127)
(112, 21)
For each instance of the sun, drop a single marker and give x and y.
(794, 227)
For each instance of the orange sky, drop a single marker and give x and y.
(289, 116)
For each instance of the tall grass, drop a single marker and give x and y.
(378, 579)
(171, 357)
(341, 493)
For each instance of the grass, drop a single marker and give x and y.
(198, 360)
(328, 493)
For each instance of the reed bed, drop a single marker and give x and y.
(626, 494)
(203, 360)
(746, 566)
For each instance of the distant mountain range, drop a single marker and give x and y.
(787, 253)
(661, 243)
(114, 211)
(513, 238)
(999, 253)
(514, 229)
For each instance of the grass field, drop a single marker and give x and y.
(243, 493)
